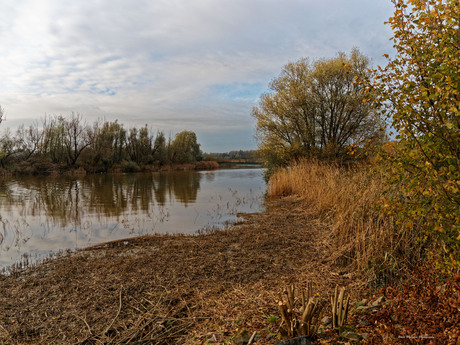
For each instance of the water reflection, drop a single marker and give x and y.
(43, 214)
(67, 200)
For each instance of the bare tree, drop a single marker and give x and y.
(30, 139)
(77, 138)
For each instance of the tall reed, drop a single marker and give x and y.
(351, 202)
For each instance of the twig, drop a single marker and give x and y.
(252, 338)
(116, 316)
(86, 323)
(6, 331)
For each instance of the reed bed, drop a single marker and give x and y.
(351, 202)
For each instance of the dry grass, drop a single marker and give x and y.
(351, 202)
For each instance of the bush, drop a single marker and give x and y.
(206, 165)
(130, 167)
(37, 165)
(419, 89)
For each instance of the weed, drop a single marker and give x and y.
(239, 320)
(272, 319)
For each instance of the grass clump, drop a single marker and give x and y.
(351, 201)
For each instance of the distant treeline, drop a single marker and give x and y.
(249, 155)
(67, 143)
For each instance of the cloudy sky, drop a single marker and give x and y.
(175, 65)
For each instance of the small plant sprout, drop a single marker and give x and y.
(272, 318)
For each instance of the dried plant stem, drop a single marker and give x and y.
(339, 308)
(299, 323)
(116, 316)
(252, 338)
(284, 317)
(86, 323)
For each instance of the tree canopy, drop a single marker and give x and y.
(185, 148)
(65, 143)
(316, 109)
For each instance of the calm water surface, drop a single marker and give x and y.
(40, 216)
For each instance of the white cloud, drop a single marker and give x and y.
(170, 63)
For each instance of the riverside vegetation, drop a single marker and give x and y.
(334, 109)
(65, 144)
(400, 209)
(385, 227)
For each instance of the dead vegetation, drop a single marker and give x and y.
(172, 289)
(423, 310)
(350, 202)
(300, 316)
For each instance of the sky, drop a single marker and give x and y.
(198, 65)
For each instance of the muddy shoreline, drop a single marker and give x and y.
(175, 288)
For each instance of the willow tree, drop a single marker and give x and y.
(316, 109)
(185, 148)
(420, 89)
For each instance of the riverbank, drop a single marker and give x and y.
(48, 168)
(213, 288)
(181, 289)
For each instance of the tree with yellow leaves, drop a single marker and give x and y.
(316, 110)
(419, 88)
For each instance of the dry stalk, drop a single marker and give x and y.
(118, 313)
(252, 338)
(86, 323)
(5, 332)
(339, 308)
(158, 321)
(303, 320)
(348, 200)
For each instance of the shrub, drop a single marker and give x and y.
(37, 165)
(129, 167)
(419, 89)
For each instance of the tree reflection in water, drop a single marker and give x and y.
(39, 214)
(67, 200)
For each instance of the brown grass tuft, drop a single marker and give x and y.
(351, 202)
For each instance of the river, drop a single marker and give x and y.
(44, 215)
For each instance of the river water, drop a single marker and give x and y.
(41, 216)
